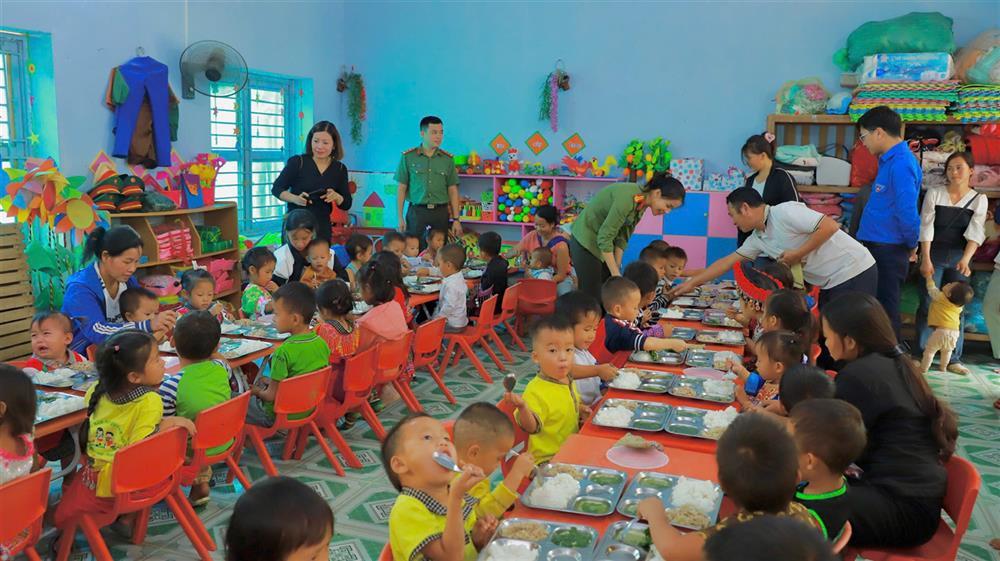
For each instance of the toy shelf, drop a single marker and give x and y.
(222, 215)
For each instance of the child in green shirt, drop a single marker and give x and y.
(259, 265)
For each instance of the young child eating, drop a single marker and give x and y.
(51, 335)
(621, 299)
(829, 434)
(944, 316)
(138, 304)
(433, 518)
(494, 279)
(769, 538)
(198, 293)
(777, 351)
(483, 436)
(454, 292)
(585, 313)
(394, 242)
(758, 470)
(676, 262)
(334, 301)
(359, 248)
(436, 238)
(18, 405)
(319, 255)
(301, 353)
(644, 276)
(258, 263)
(540, 265)
(802, 382)
(411, 251)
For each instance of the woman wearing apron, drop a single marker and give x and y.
(951, 229)
(548, 234)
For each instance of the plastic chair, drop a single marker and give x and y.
(537, 297)
(31, 495)
(426, 349)
(520, 436)
(386, 554)
(296, 396)
(358, 381)
(840, 543)
(389, 370)
(492, 335)
(218, 426)
(508, 312)
(92, 353)
(461, 343)
(142, 475)
(964, 483)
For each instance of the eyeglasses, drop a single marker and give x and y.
(861, 137)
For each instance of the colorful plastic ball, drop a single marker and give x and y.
(506, 188)
(533, 211)
(525, 219)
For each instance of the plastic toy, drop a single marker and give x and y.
(518, 199)
(576, 166)
(513, 164)
(601, 171)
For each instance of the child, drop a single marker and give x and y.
(395, 243)
(122, 409)
(454, 292)
(585, 313)
(436, 238)
(540, 266)
(319, 271)
(198, 293)
(334, 301)
(411, 251)
(768, 538)
(777, 351)
(279, 519)
(291, 259)
(550, 409)
(802, 382)
(360, 249)
(433, 518)
(944, 316)
(676, 262)
(758, 470)
(829, 434)
(51, 335)
(494, 279)
(644, 277)
(17, 423)
(483, 435)
(392, 268)
(301, 353)
(139, 304)
(755, 286)
(386, 321)
(786, 309)
(201, 383)
(656, 256)
(621, 299)
(259, 265)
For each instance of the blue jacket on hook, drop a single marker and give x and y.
(142, 79)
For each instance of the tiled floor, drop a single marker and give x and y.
(362, 500)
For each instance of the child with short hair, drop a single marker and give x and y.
(944, 316)
(319, 256)
(768, 538)
(777, 351)
(621, 298)
(395, 242)
(585, 313)
(786, 309)
(359, 248)
(830, 435)
(656, 257)
(433, 518)
(17, 424)
(279, 519)
(411, 251)
(644, 276)
(198, 293)
(758, 470)
(201, 383)
(802, 382)
(436, 238)
(483, 435)
(51, 335)
(454, 292)
(300, 353)
(676, 262)
(540, 264)
(655, 254)
(258, 263)
(138, 304)
(494, 279)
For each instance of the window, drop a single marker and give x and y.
(253, 131)
(14, 137)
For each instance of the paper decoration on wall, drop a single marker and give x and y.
(373, 211)
(357, 105)
(536, 143)
(548, 109)
(642, 159)
(574, 144)
(500, 144)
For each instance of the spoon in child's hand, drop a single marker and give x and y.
(446, 462)
(509, 382)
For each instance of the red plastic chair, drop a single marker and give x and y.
(814, 352)
(520, 437)
(92, 353)
(217, 426)
(426, 349)
(386, 554)
(358, 382)
(461, 343)
(142, 475)
(964, 483)
(295, 396)
(389, 370)
(31, 495)
(492, 335)
(537, 297)
(508, 312)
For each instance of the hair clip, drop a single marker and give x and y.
(769, 136)
(116, 348)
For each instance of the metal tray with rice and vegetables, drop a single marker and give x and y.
(700, 423)
(623, 541)
(517, 538)
(632, 414)
(705, 389)
(690, 503)
(727, 337)
(646, 381)
(659, 357)
(683, 333)
(576, 489)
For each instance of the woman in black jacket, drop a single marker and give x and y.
(774, 184)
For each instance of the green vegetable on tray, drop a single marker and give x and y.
(636, 538)
(571, 537)
(605, 479)
(589, 506)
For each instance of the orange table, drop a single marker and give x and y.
(590, 450)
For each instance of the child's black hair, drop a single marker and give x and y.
(769, 538)
(961, 293)
(275, 518)
(481, 423)
(376, 276)
(830, 429)
(802, 382)
(299, 219)
(334, 297)
(550, 323)
(392, 267)
(390, 237)
(192, 277)
(54, 315)
(357, 244)
(643, 275)
(123, 352)
(758, 144)
(431, 232)
(407, 236)
(489, 243)
(882, 117)
(297, 298)
(782, 346)
(789, 307)
(615, 290)
(675, 252)
(454, 254)
(257, 257)
(652, 253)
(18, 393)
(758, 464)
(577, 305)
(319, 242)
(544, 256)
(391, 444)
(132, 298)
(196, 335)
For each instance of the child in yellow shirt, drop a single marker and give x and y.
(944, 316)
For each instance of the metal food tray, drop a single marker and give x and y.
(647, 484)
(700, 358)
(472, 273)
(424, 288)
(612, 548)
(646, 416)
(693, 314)
(669, 358)
(697, 385)
(360, 307)
(590, 490)
(729, 337)
(683, 333)
(691, 302)
(688, 421)
(253, 330)
(548, 550)
(715, 318)
(650, 381)
(232, 349)
(52, 405)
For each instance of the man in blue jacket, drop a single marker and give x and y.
(890, 224)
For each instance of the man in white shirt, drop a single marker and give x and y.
(792, 233)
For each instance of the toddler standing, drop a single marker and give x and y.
(944, 316)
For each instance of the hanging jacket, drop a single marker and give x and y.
(146, 112)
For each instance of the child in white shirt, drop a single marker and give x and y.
(454, 292)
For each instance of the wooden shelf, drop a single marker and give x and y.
(188, 260)
(970, 336)
(553, 177)
(844, 120)
(826, 189)
(178, 212)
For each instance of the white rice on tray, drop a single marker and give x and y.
(615, 416)
(695, 492)
(511, 552)
(626, 380)
(718, 387)
(556, 492)
(720, 419)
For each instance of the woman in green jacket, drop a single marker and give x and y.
(601, 232)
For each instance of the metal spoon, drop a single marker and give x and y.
(509, 382)
(446, 462)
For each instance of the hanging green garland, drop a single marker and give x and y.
(548, 108)
(357, 106)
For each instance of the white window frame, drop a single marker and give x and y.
(15, 148)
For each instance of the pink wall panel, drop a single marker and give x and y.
(695, 246)
(719, 223)
(649, 224)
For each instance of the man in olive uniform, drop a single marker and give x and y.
(428, 181)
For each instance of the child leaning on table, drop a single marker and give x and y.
(258, 263)
(621, 299)
(584, 312)
(644, 276)
(51, 335)
(777, 351)
(758, 470)
(434, 518)
(483, 435)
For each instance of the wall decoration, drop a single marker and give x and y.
(500, 144)
(537, 143)
(357, 105)
(548, 109)
(373, 210)
(574, 144)
(642, 159)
